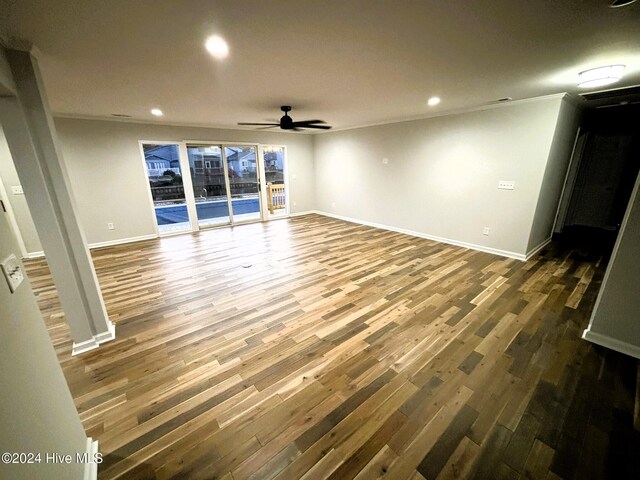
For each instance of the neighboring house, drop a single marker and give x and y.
(274, 166)
(160, 158)
(208, 161)
(241, 161)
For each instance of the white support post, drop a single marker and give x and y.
(32, 140)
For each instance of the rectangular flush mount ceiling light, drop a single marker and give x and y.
(597, 77)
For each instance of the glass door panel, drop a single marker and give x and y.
(276, 193)
(162, 163)
(244, 189)
(209, 184)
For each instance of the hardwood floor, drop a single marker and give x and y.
(315, 348)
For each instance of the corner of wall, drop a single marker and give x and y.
(554, 177)
(314, 160)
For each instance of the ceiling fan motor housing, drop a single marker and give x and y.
(286, 122)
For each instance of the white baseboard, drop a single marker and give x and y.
(91, 467)
(83, 347)
(472, 246)
(537, 249)
(612, 343)
(107, 336)
(109, 243)
(96, 341)
(306, 212)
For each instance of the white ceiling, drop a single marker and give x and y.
(349, 62)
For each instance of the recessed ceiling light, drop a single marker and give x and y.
(433, 101)
(157, 112)
(217, 46)
(598, 77)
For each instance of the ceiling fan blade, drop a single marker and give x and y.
(307, 122)
(260, 124)
(322, 127)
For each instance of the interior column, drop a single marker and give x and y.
(32, 140)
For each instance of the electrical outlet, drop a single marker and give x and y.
(295, 204)
(486, 230)
(294, 176)
(333, 204)
(12, 272)
(110, 226)
(385, 161)
(506, 185)
(17, 190)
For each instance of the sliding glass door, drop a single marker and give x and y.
(244, 189)
(196, 186)
(165, 176)
(208, 176)
(225, 183)
(277, 204)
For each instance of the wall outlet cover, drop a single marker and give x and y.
(17, 190)
(12, 271)
(506, 185)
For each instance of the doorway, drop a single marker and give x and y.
(600, 183)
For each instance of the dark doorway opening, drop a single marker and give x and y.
(602, 175)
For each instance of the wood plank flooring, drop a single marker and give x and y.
(314, 348)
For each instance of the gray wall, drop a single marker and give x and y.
(110, 185)
(442, 174)
(615, 320)
(555, 173)
(9, 178)
(37, 413)
(109, 181)
(440, 179)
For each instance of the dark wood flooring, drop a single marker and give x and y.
(316, 348)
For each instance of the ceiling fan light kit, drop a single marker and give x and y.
(287, 123)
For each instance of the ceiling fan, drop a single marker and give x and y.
(287, 123)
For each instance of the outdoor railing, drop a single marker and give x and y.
(176, 192)
(275, 196)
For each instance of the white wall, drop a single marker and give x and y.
(615, 320)
(9, 178)
(37, 412)
(442, 174)
(110, 185)
(555, 173)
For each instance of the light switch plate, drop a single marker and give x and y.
(17, 190)
(12, 271)
(506, 185)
